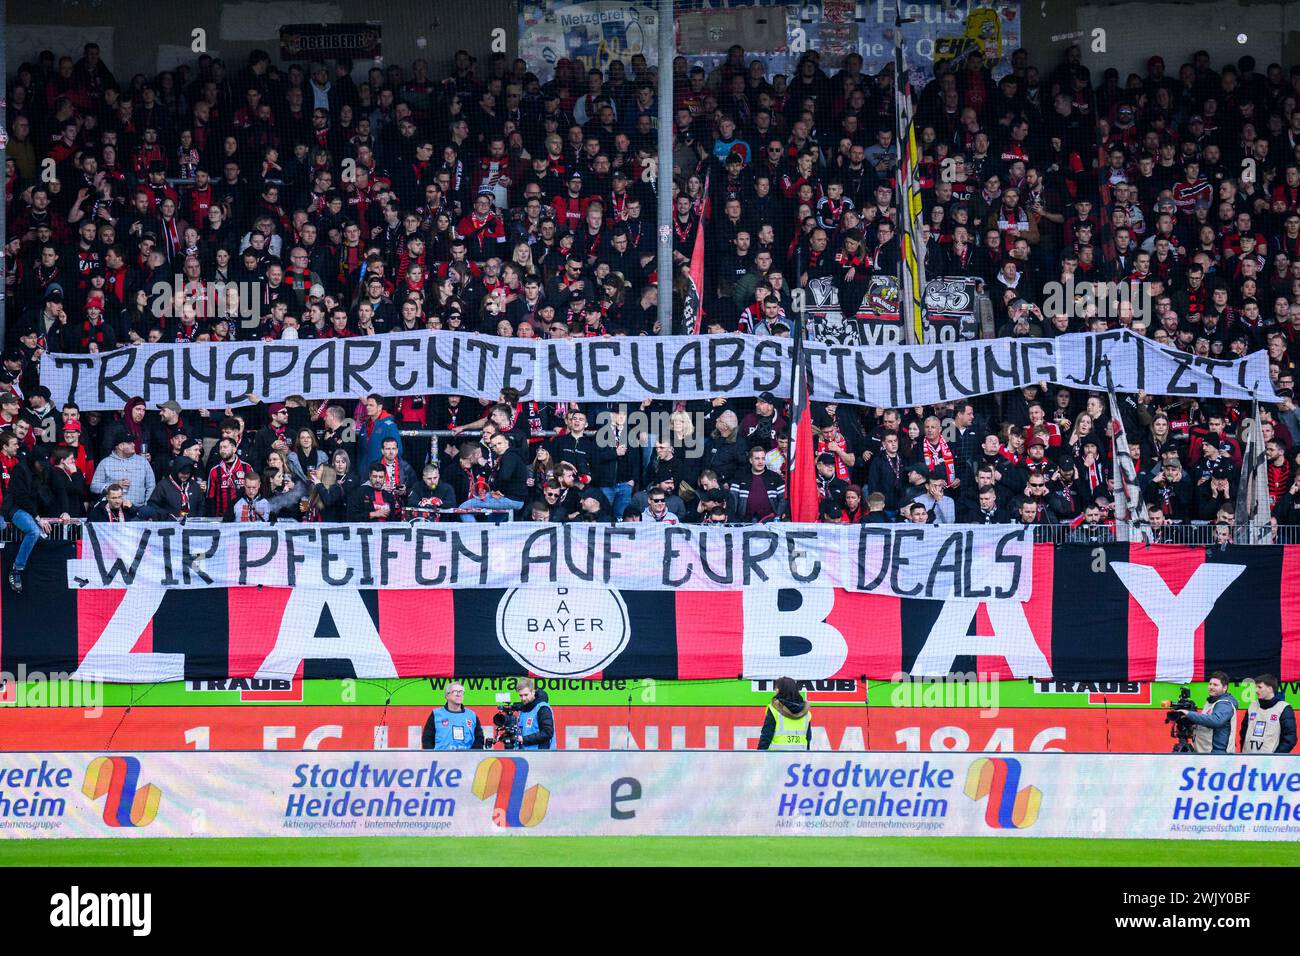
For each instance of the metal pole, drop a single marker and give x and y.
(4, 225)
(664, 168)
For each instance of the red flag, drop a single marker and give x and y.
(697, 261)
(802, 488)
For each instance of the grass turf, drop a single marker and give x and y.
(639, 851)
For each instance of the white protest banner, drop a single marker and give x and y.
(632, 368)
(937, 562)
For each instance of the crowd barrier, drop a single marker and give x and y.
(644, 794)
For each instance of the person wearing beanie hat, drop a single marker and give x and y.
(179, 495)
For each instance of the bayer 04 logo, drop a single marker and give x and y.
(561, 631)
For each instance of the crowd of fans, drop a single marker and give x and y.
(489, 203)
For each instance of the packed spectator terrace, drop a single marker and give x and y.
(481, 201)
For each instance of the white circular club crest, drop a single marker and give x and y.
(563, 632)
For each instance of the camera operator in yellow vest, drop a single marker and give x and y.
(788, 723)
(1269, 727)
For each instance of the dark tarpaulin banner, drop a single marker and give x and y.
(1106, 612)
(322, 41)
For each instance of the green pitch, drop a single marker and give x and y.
(642, 851)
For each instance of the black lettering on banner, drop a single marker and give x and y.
(119, 568)
(969, 590)
(609, 554)
(952, 542)
(933, 371)
(109, 377)
(842, 354)
(1044, 371)
(246, 563)
(367, 578)
(395, 365)
(486, 349)
(423, 533)
(1102, 363)
(1002, 556)
(235, 395)
(459, 549)
(728, 574)
(271, 371)
(596, 347)
(75, 363)
(292, 556)
(328, 555)
(814, 359)
(1182, 365)
(311, 370)
(771, 357)
(901, 536)
(192, 560)
(687, 365)
(726, 353)
(205, 377)
(671, 534)
(1140, 361)
(165, 535)
(865, 535)
(352, 369)
(547, 558)
(587, 573)
(953, 374)
(558, 370)
(751, 561)
(865, 373)
(451, 365)
(1211, 367)
(656, 364)
(792, 539)
(519, 377)
(387, 554)
(165, 378)
(999, 377)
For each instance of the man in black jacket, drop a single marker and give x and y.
(887, 473)
(372, 501)
(179, 495)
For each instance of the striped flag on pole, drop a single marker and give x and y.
(912, 268)
(1130, 517)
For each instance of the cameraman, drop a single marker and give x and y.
(1213, 725)
(451, 726)
(1269, 727)
(536, 721)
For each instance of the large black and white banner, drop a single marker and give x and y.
(919, 561)
(631, 368)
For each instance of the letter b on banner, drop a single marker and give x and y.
(786, 634)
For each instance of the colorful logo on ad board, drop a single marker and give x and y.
(117, 779)
(997, 779)
(517, 804)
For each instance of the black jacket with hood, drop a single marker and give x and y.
(792, 707)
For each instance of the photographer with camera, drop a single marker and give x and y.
(452, 726)
(1212, 725)
(1269, 727)
(536, 720)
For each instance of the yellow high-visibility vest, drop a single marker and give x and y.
(791, 732)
